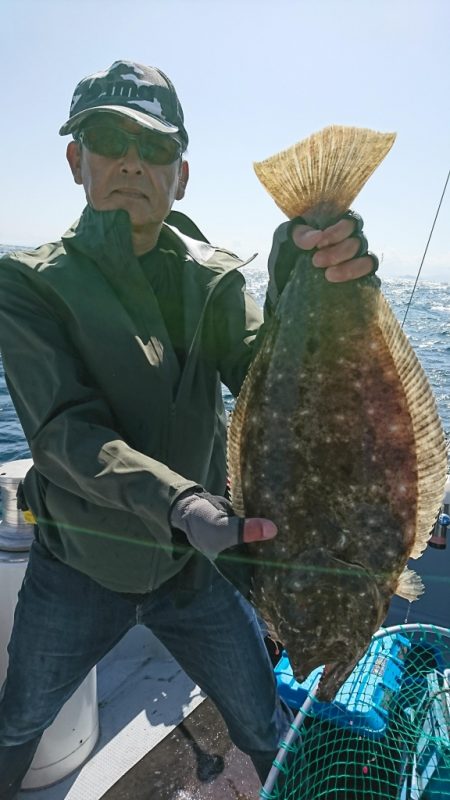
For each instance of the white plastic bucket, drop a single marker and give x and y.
(74, 733)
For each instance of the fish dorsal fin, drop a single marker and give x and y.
(234, 447)
(431, 456)
(319, 177)
(234, 466)
(238, 418)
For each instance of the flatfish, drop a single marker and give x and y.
(335, 435)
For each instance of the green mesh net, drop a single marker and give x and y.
(386, 734)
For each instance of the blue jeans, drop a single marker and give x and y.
(65, 623)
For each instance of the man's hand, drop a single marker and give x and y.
(211, 526)
(341, 248)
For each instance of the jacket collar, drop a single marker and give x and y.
(106, 235)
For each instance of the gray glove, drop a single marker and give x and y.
(210, 524)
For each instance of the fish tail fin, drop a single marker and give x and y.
(409, 585)
(319, 177)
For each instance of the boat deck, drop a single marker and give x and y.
(160, 739)
(195, 762)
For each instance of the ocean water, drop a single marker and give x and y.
(427, 326)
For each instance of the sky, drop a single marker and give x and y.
(253, 77)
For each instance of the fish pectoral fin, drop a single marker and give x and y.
(409, 585)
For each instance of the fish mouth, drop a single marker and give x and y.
(332, 679)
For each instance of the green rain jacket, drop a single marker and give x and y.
(115, 431)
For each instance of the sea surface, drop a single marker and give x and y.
(427, 326)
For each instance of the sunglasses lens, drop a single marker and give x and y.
(113, 143)
(158, 149)
(105, 141)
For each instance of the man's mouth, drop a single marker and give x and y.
(134, 193)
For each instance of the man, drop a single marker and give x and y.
(114, 342)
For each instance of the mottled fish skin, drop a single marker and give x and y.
(328, 454)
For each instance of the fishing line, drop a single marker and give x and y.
(426, 248)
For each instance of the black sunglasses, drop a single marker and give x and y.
(106, 140)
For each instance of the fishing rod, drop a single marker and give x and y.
(426, 248)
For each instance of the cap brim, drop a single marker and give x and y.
(147, 121)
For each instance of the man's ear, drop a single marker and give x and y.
(183, 178)
(73, 155)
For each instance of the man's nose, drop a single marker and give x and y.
(131, 160)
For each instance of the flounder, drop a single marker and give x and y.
(335, 435)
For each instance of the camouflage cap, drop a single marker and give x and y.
(143, 93)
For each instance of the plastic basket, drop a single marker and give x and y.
(387, 733)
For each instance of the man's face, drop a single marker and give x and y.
(147, 191)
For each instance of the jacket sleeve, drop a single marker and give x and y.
(282, 258)
(239, 320)
(74, 440)
(236, 322)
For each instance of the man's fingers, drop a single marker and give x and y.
(336, 254)
(306, 237)
(337, 233)
(257, 529)
(350, 270)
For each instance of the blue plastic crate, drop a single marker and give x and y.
(362, 703)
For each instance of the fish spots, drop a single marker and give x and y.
(342, 541)
(312, 346)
